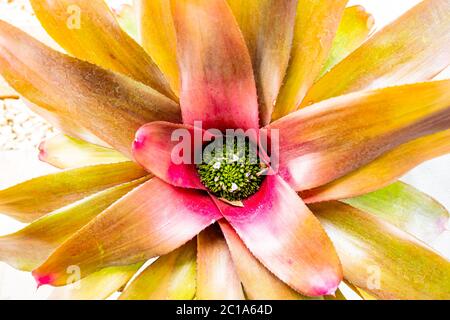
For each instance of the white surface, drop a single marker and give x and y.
(432, 177)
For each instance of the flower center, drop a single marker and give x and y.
(231, 168)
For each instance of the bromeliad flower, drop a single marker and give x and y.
(345, 113)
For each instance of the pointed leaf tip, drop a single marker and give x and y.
(42, 280)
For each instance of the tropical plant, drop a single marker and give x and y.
(350, 113)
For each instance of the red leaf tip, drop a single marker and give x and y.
(42, 152)
(138, 141)
(43, 279)
(325, 290)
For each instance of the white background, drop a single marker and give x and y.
(432, 177)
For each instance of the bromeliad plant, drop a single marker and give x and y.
(351, 116)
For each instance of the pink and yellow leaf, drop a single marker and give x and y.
(258, 282)
(29, 247)
(411, 49)
(107, 104)
(326, 141)
(383, 170)
(138, 227)
(89, 31)
(285, 236)
(34, 198)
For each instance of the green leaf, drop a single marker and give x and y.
(407, 208)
